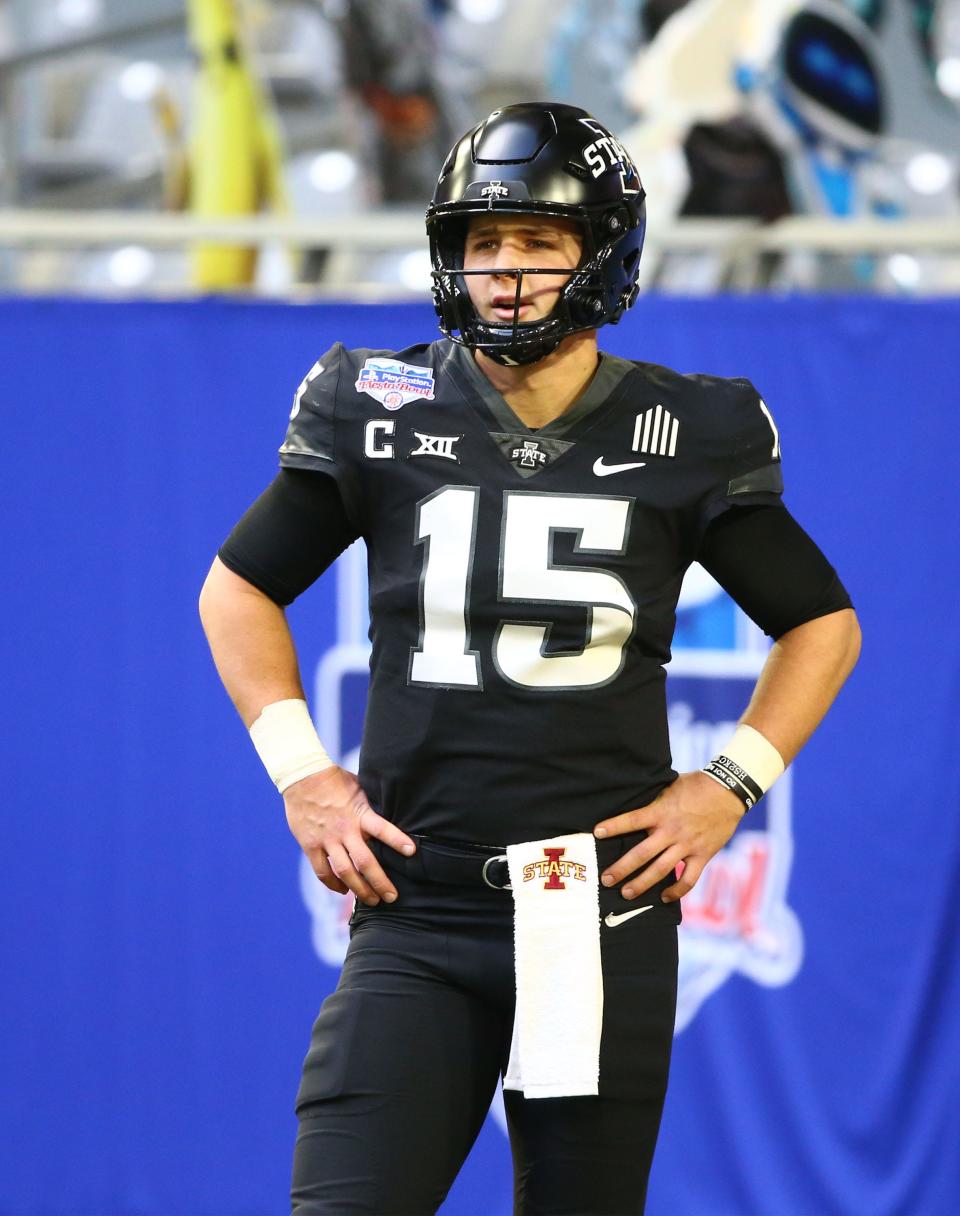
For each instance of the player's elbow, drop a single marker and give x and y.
(833, 640)
(847, 639)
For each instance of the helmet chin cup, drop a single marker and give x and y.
(508, 350)
(511, 357)
(539, 159)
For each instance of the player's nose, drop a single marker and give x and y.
(507, 260)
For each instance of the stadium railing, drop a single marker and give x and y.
(383, 231)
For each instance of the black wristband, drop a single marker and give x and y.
(736, 779)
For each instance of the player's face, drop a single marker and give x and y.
(503, 244)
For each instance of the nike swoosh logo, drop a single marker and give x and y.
(615, 918)
(604, 470)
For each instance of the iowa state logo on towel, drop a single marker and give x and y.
(393, 383)
(554, 868)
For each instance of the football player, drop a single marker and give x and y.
(516, 839)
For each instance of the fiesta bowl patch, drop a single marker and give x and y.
(393, 383)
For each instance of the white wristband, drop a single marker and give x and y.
(747, 766)
(287, 742)
(756, 754)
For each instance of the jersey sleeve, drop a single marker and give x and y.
(768, 564)
(743, 452)
(289, 536)
(314, 438)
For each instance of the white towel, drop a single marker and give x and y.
(555, 1051)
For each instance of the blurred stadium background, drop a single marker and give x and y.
(327, 119)
(196, 199)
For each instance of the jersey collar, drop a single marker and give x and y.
(610, 371)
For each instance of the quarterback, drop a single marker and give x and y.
(516, 838)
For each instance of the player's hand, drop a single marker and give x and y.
(330, 818)
(686, 823)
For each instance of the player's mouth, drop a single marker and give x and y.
(503, 307)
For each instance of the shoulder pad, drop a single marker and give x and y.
(310, 433)
(734, 419)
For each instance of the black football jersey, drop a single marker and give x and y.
(523, 583)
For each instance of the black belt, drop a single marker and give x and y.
(460, 862)
(457, 862)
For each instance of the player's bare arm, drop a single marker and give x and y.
(327, 812)
(693, 818)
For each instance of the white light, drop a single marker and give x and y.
(480, 12)
(140, 81)
(78, 13)
(904, 270)
(948, 76)
(414, 270)
(332, 171)
(131, 266)
(929, 172)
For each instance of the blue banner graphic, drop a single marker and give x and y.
(164, 950)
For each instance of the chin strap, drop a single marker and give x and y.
(508, 356)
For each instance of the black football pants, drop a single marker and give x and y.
(406, 1055)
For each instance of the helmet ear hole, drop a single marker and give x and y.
(630, 263)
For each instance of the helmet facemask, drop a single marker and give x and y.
(509, 342)
(583, 304)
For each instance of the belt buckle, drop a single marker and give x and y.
(486, 878)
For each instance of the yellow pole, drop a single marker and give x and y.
(235, 161)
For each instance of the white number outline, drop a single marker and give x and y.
(775, 452)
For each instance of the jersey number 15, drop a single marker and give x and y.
(446, 525)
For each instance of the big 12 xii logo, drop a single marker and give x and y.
(737, 918)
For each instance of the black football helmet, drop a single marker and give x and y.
(539, 158)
